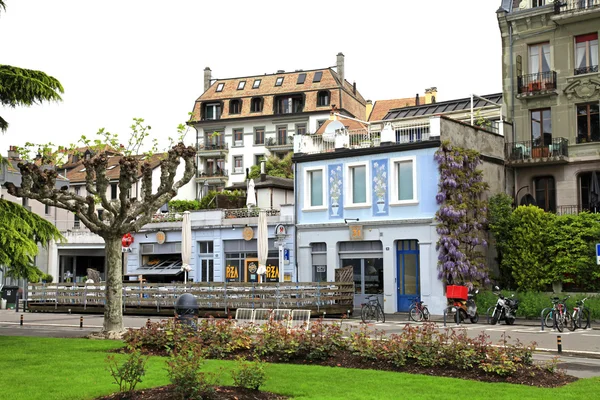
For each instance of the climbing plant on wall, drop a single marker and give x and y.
(462, 217)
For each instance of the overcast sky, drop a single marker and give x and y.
(120, 59)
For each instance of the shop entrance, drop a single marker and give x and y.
(407, 273)
(366, 260)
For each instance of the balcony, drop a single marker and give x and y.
(249, 213)
(585, 70)
(217, 150)
(576, 209)
(569, 11)
(530, 153)
(280, 144)
(213, 176)
(536, 85)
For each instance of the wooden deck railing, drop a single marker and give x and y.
(210, 296)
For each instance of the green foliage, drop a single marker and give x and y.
(20, 232)
(572, 242)
(47, 278)
(184, 205)
(499, 218)
(184, 370)
(275, 166)
(128, 373)
(526, 251)
(249, 374)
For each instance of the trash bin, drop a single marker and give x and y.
(9, 293)
(186, 310)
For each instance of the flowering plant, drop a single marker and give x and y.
(380, 180)
(335, 184)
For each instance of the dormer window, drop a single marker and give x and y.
(323, 98)
(279, 81)
(235, 106)
(256, 104)
(256, 84)
(241, 85)
(212, 111)
(220, 87)
(317, 77)
(289, 104)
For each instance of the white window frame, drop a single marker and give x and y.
(394, 183)
(235, 168)
(348, 183)
(307, 190)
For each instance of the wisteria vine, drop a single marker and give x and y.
(461, 217)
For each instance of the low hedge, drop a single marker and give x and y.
(531, 304)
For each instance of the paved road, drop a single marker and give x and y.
(580, 356)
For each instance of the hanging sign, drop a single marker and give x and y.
(160, 237)
(356, 232)
(280, 230)
(272, 273)
(248, 233)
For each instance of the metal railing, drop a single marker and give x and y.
(537, 83)
(211, 146)
(249, 213)
(575, 5)
(279, 141)
(530, 150)
(585, 70)
(574, 209)
(167, 217)
(213, 174)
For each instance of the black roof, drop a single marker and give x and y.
(269, 182)
(442, 107)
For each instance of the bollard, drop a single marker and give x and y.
(559, 343)
(21, 319)
(148, 323)
(81, 321)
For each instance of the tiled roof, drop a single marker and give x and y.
(267, 90)
(113, 169)
(348, 123)
(382, 107)
(442, 107)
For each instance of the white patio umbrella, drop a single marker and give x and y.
(186, 244)
(262, 242)
(250, 194)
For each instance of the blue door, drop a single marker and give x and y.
(408, 282)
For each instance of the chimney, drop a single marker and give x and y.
(12, 153)
(368, 109)
(263, 174)
(340, 66)
(417, 100)
(354, 87)
(207, 78)
(430, 95)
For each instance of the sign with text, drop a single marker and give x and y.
(356, 232)
(231, 273)
(272, 274)
(251, 269)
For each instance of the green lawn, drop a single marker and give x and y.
(45, 368)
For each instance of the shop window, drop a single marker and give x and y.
(319, 262)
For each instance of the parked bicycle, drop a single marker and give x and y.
(561, 315)
(581, 316)
(372, 310)
(418, 311)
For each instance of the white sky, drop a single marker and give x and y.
(120, 59)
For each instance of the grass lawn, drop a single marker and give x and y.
(47, 368)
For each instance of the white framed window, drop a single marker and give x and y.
(404, 181)
(315, 189)
(238, 164)
(358, 189)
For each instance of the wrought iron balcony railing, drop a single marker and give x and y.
(538, 83)
(586, 70)
(532, 150)
(213, 174)
(211, 146)
(574, 5)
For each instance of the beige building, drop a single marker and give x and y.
(551, 88)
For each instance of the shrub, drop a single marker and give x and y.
(422, 344)
(274, 339)
(368, 344)
(321, 341)
(184, 370)
(249, 374)
(183, 205)
(129, 373)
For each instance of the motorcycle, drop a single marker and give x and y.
(466, 309)
(505, 309)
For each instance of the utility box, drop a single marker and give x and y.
(9, 293)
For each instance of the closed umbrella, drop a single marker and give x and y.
(250, 194)
(186, 244)
(263, 242)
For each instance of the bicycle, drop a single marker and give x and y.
(581, 315)
(372, 310)
(561, 316)
(418, 310)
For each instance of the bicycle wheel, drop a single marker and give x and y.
(364, 314)
(549, 319)
(559, 321)
(415, 314)
(425, 313)
(380, 314)
(569, 322)
(585, 319)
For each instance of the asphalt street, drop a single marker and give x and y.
(580, 349)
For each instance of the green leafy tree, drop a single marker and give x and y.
(572, 242)
(122, 215)
(275, 166)
(500, 208)
(526, 252)
(20, 232)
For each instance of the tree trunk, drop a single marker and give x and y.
(113, 309)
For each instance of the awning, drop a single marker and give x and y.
(170, 266)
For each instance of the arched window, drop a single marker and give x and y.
(323, 98)
(545, 193)
(235, 106)
(256, 104)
